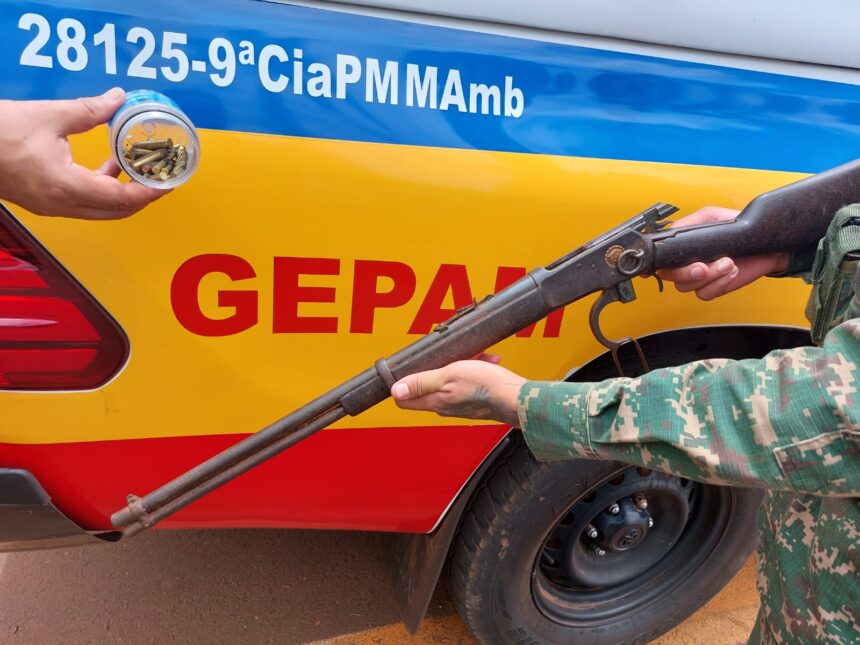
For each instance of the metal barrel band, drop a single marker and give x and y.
(138, 512)
(384, 370)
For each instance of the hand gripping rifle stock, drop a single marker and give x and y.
(788, 219)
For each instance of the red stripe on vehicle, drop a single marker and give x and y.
(382, 479)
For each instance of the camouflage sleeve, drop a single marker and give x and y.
(788, 421)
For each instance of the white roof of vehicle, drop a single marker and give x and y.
(822, 32)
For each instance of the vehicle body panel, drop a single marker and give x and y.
(793, 28)
(309, 201)
(29, 520)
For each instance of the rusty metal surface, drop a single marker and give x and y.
(790, 218)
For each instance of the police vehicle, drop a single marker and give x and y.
(367, 167)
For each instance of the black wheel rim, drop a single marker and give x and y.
(663, 530)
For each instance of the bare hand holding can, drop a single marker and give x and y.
(38, 172)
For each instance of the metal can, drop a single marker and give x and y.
(154, 141)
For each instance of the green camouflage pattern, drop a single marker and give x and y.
(789, 423)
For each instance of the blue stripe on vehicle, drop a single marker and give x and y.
(577, 101)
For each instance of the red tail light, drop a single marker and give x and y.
(53, 334)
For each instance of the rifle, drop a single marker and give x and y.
(789, 219)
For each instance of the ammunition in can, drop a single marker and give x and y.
(153, 144)
(158, 160)
(156, 155)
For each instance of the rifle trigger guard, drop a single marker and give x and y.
(622, 292)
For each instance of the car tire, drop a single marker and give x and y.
(524, 569)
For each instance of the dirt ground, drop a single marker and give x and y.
(255, 587)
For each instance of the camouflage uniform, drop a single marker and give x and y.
(789, 422)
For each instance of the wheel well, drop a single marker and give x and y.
(417, 559)
(679, 346)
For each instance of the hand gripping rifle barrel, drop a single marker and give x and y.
(788, 219)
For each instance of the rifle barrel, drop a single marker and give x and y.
(469, 332)
(183, 493)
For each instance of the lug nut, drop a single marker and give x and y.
(615, 509)
(641, 502)
(650, 522)
(599, 551)
(591, 532)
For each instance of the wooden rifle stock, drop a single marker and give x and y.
(790, 219)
